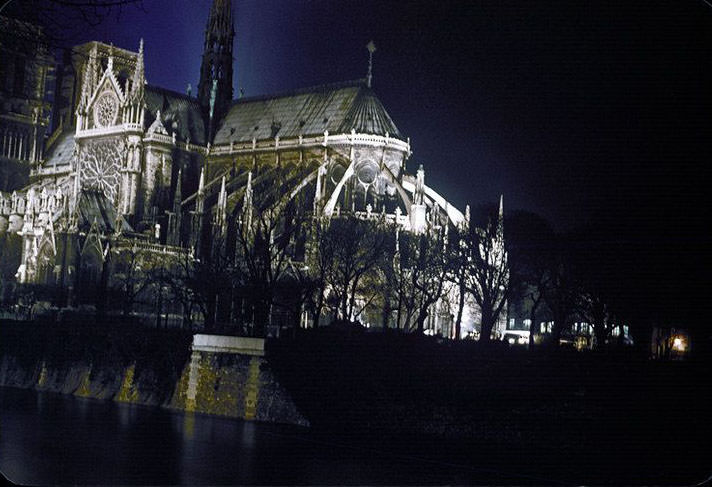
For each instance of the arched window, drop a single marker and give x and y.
(45, 265)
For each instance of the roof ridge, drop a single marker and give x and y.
(172, 92)
(360, 82)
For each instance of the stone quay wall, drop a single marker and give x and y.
(208, 374)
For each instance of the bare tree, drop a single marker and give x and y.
(299, 290)
(180, 277)
(561, 294)
(391, 279)
(62, 22)
(349, 251)
(318, 261)
(263, 258)
(424, 260)
(488, 276)
(198, 281)
(530, 239)
(596, 311)
(133, 274)
(457, 271)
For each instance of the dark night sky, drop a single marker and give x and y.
(590, 113)
(576, 110)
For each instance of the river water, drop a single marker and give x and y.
(51, 439)
(46, 438)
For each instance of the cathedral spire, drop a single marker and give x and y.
(138, 78)
(178, 196)
(89, 81)
(371, 49)
(216, 66)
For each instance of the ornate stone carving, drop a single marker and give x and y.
(100, 165)
(106, 109)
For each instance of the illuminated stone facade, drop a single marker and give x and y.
(132, 161)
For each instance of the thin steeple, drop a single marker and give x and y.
(90, 81)
(178, 196)
(216, 67)
(138, 79)
(371, 49)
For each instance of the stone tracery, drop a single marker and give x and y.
(100, 163)
(106, 109)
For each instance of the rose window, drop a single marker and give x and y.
(100, 165)
(106, 109)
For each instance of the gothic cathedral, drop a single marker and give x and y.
(135, 165)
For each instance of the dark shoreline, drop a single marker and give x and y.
(588, 418)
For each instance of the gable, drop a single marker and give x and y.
(105, 104)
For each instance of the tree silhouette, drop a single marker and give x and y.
(349, 252)
(488, 270)
(530, 239)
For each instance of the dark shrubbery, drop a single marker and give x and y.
(353, 381)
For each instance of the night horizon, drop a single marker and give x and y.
(593, 116)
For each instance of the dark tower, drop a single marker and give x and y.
(217, 64)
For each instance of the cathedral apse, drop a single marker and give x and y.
(136, 168)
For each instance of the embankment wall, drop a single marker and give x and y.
(136, 365)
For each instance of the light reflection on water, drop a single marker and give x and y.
(85, 441)
(47, 438)
(188, 425)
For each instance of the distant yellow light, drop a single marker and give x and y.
(678, 344)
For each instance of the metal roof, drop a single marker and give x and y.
(60, 154)
(176, 107)
(311, 111)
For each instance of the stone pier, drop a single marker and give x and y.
(227, 376)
